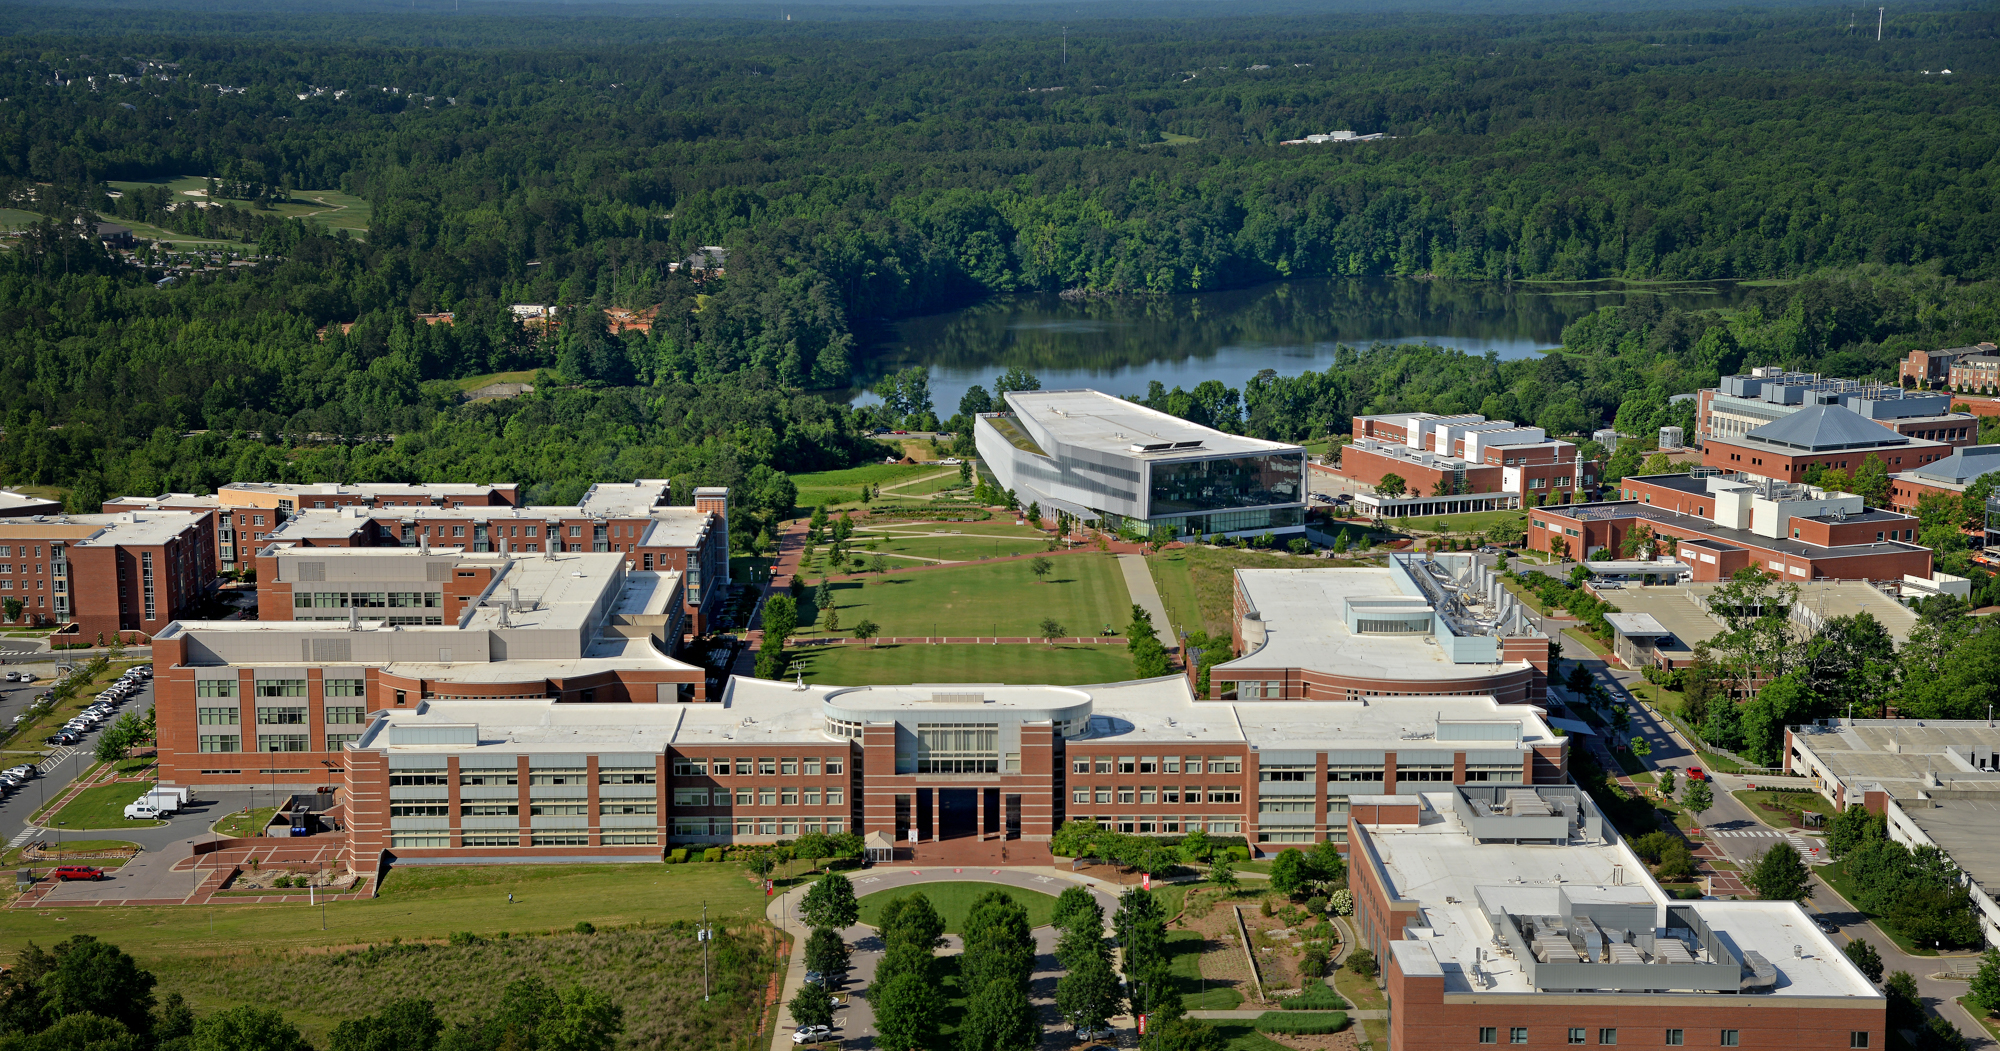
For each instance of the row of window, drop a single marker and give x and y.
(536, 777)
(754, 826)
(1674, 1037)
(281, 687)
(436, 841)
(835, 795)
(442, 808)
(1145, 826)
(367, 599)
(270, 742)
(287, 716)
(766, 767)
(1148, 794)
(1153, 764)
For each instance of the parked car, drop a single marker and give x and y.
(141, 811)
(812, 1034)
(1825, 927)
(63, 737)
(66, 873)
(25, 770)
(1085, 1034)
(1695, 774)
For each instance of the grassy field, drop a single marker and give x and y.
(1460, 525)
(953, 901)
(1084, 592)
(945, 547)
(417, 904)
(1362, 993)
(1184, 951)
(1198, 583)
(1797, 802)
(329, 208)
(103, 807)
(318, 989)
(945, 478)
(1582, 638)
(836, 487)
(246, 824)
(473, 383)
(16, 219)
(895, 665)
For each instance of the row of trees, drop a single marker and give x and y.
(1919, 892)
(86, 993)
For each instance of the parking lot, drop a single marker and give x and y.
(60, 764)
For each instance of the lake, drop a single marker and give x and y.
(1117, 344)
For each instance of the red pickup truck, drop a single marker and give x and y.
(66, 873)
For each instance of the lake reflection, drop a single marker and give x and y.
(1118, 344)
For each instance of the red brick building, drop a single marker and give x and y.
(123, 575)
(1461, 460)
(1827, 435)
(632, 520)
(1518, 916)
(1947, 477)
(933, 770)
(1931, 368)
(1718, 525)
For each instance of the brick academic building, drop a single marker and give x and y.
(1517, 915)
(123, 574)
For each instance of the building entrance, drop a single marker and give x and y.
(958, 812)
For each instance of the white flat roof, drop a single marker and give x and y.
(625, 498)
(138, 528)
(1304, 628)
(647, 594)
(10, 499)
(1440, 865)
(535, 725)
(1096, 420)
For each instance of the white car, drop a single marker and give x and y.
(812, 1034)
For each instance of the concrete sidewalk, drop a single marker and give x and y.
(1145, 595)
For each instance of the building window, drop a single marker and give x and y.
(812, 768)
(560, 841)
(1489, 1034)
(1674, 1038)
(1607, 1036)
(558, 777)
(282, 743)
(629, 808)
(690, 767)
(502, 839)
(558, 809)
(281, 716)
(1225, 795)
(343, 687)
(420, 808)
(836, 797)
(215, 688)
(1729, 1038)
(335, 742)
(632, 839)
(344, 713)
(1576, 1035)
(425, 842)
(1858, 1038)
(215, 716)
(1286, 773)
(1080, 795)
(698, 797)
(219, 743)
(281, 687)
(497, 777)
(418, 780)
(1517, 1035)
(627, 777)
(958, 748)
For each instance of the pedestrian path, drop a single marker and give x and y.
(1746, 833)
(26, 837)
(1139, 581)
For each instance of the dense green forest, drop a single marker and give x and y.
(871, 168)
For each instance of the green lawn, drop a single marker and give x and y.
(1198, 583)
(1809, 802)
(16, 219)
(1362, 993)
(1184, 950)
(945, 478)
(1083, 591)
(103, 807)
(1582, 638)
(246, 824)
(1015, 663)
(417, 904)
(1243, 1036)
(953, 901)
(329, 208)
(832, 487)
(1991, 1023)
(1476, 522)
(945, 547)
(473, 383)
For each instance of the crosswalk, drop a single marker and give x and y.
(1745, 833)
(55, 759)
(26, 836)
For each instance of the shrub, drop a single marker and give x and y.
(282, 881)
(585, 927)
(1316, 904)
(677, 856)
(1301, 1024)
(1239, 853)
(1316, 996)
(1362, 962)
(1341, 902)
(712, 854)
(465, 938)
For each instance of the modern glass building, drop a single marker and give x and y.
(1106, 460)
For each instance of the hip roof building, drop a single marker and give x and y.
(1106, 460)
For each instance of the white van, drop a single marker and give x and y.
(141, 811)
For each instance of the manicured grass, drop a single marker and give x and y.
(1083, 592)
(1016, 663)
(946, 478)
(1582, 638)
(945, 547)
(1808, 802)
(953, 901)
(844, 486)
(1991, 1023)
(1184, 951)
(417, 904)
(473, 383)
(1361, 992)
(16, 219)
(104, 807)
(246, 824)
(1476, 522)
(1243, 1036)
(1210, 578)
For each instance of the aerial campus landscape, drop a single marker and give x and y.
(947, 527)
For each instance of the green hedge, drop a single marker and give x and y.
(1317, 996)
(1305, 1024)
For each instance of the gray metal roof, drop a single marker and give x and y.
(1961, 467)
(1824, 428)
